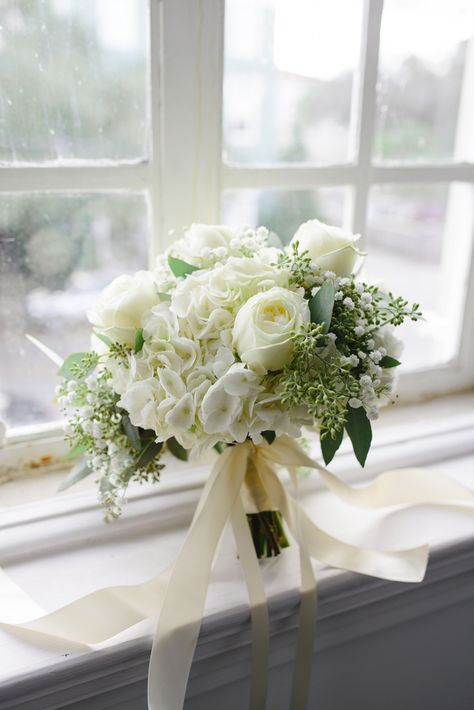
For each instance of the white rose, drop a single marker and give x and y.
(330, 248)
(265, 326)
(121, 305)
(207, 236)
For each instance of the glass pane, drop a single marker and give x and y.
(288, 78)
(282, 211)
(423, 53)
(406, 228)
(73, 79)
(56, 254)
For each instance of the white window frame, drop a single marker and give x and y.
(184, 175)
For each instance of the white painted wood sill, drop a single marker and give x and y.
(58, 549)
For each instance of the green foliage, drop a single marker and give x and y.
(175, 448)
(388, 362)
(78, 365)
(131, 432)
(180, 268)
(103, 338)
(164, 297)
(269, 436)
(321, 305)
(299, 265)
(76, 451)
(317, 381)
(330, 445)
(139, 339)
(360, 432)
(79, 471)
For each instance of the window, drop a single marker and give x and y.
(125, 122)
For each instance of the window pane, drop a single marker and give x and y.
(406, 230)
(72, 79)
(422, 61)
(282, 211)
(289, 68)
(56, 254)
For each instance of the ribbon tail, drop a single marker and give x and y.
(88, 620)
(307, 617)
(258, 607)
(180, 619)
(397, 565)
(407, 486)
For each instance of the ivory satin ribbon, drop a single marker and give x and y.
(178, 594)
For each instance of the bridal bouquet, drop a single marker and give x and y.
(228, 339)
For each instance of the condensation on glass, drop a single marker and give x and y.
(288, 78)
(282, 211)
(56, 254)
(73, 80)
(424, 47)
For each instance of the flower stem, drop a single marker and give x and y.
(267, 532)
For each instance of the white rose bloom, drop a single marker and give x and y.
(119, 309)
(265, 326)
(207, 236)
(208, 300)
(329, 247)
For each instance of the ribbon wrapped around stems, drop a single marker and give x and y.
(178, 594)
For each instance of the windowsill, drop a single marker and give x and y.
(48, 545)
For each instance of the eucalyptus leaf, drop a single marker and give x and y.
(329, 446)
(70, 362)
(131, 432)
(76, 451)
(176, 449)
(321, 305)
(139, 339)
(103, 337)
(79, 471)
(388, 361)
(148, 453)
(180, 267)
(360, 432)
(269, 436)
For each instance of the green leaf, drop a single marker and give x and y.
(139, 339)
(360, 432)
(78, 472)
(176, 449)
(131, 432)
(164, 296)
(70, 362)
(219, 447)
(180, 267)
(269, 436)
(76, 451)
(321, 305)
(148, 453)
(103, 337)
(329, 446)
(388, 361)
